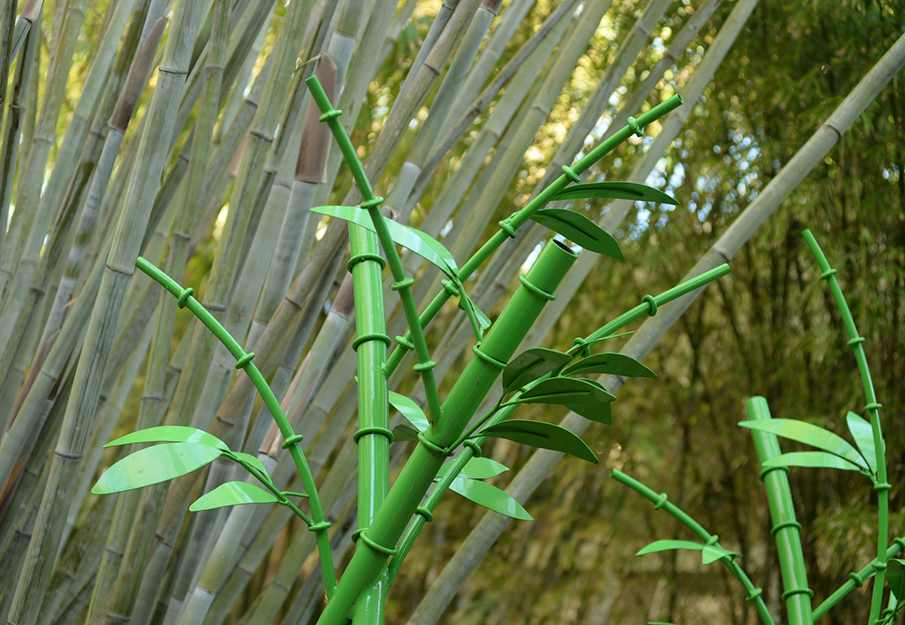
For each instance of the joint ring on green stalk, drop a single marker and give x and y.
(714, 539)
(403, 284)
(583, 345)
(856, 579)
(781, 526)
(872, 406)
(331, 114)
(536, 290)
(754, 594)
(878, 566)
(855, 341)
(434, 447)
(900, 542)
(320, 527)
(570, 174)
(652, 302)
(374, 429)
(374, 336)
(424, 366)
(661, 501)
(387, 551)
(424, 513)
(183, 298)
(245, 360)
(506, 227)
(450, 288)
(404, 343)
(766, 471)
(374, 202)
(474, 447)
(292, 440)
(826, 275)
(883, 486)
(490, 360)
(797, 591)
(360, 258)
(635, 126)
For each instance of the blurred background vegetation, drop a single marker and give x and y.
(770, 328)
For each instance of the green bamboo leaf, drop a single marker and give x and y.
(476, 469)
(404, 432)
(580, 230)
(614, 364)
(567, 391)
(418, 242)
(863, 434)
(232, 494)
(251, 460)
(816, 459)
(543, 435)
(153, 465)
(490, 497)
(615, 190)
(709, 553)
(599, 412)
(479, 321)
(809, 434)
(410, 410)
(895, 577)
(531, 365)
(170, 434)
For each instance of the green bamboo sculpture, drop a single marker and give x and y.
(389, 519)
(867, 456)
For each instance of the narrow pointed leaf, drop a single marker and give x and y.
(817, 459)
(418, 242)
(709, 553)
(712, 554)
(410, 410)
(479, 321)
(543, 435)
(251, 460)
(566, 391)
(404, 432)
(615, 190)
(490, 497)
(154, 465)
(580, 230)
(169, 434)
(895, 577)
(599, 412)
(864, 438)
(232, 494)
(809, 434)
(476, 469)
(614, 364)
(531, 365)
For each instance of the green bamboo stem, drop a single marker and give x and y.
(873, 409)
(518, 219)
(786, 528)
(500, 343)
(661, 502)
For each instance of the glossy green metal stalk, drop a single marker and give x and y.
(512, 223)
(873, 409)
(786, 529)
(661, 502)
(244, 361)
(491, 356)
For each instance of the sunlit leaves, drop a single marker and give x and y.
(864, 438)
(580, 230)
(476, 469)
(709, 553)
(169, 434)
(809, 434)
(615, 190)
(543, 435)
(490, 497)
(232, 494)
(531, 365)
(814, 459)
(410, 410)
(154, 465)
(565, 391)
(614, 364)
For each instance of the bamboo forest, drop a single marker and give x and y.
(625, 276)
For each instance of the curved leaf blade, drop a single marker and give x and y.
(410, 410)
(404, 432)
(531, 365)
(895, 577)
(153, 465)
(490, 497)
(169, 434)
(709, 553)
(580, 230)
(600, 413)
(476, 469)
(543, 435)
(863, 434)
(567, 391)
(232, 494)
(416, 241)
(813, 459)
(251, 460)
(612, 363)
(615, 190)
(809, 434)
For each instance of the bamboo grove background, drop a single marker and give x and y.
(182, 133)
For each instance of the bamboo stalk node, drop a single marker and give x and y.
(292, 440)
(404, 343)
(184, 297)
(490, 360)
(374, 202)
(535, 289)
(374, 336)
(878, 566)
(424, 366)
(661, 501)
(652, 302)
(797, 591)
(424, 513)
(872, 406)
(387, 551)
(506, 227)
(855, 341)
(635, 126)
(474, 447)
(360, 258)
(570, 174)
(320, 527)
(856, 579)
(883, 486)
(434, 447)
(332, 114)
(781, 526)
(827, 274)
(245, 360)
(900, 542)
(754, 594)
(403, 284)
(375, 429)
(766, 471)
